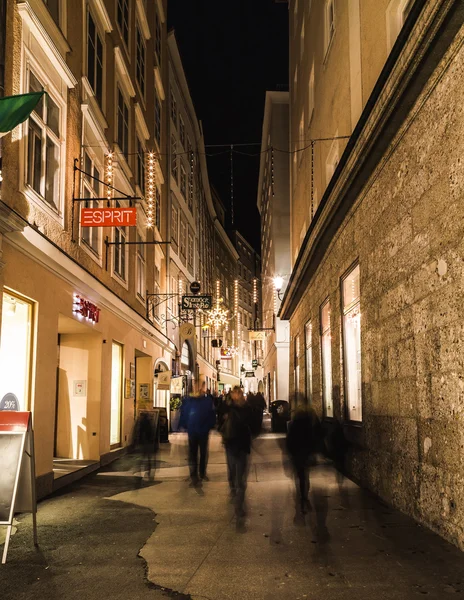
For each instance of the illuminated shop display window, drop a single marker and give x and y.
(326, 340)
(309, 360)
(15, 349)
(352, 343)
(116, 393)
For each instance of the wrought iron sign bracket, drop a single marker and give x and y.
(108, 244)
(154, 300)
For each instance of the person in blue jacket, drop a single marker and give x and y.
(198, 417)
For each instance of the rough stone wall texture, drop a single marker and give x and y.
(407, 232)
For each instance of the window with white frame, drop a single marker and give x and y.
(141, 276)
(158, 33)
(175, 224)
(173, 109)
(91, 188)
(311, 95)
(120, 248)
(183, 181)
(309, 361)
(157, 106)
(44, 147)
(302, 40)
(182, 131)
(352, 343)
(190, 251)
(123, 19)
(157, 208)
(329, 20)
(94, 58)
(54, 9)
(332, 161)
(183, 239)
(174, 159)
(140, 172)
(326, 349)
(296, 366)
(397, 12)
(123, 124)
(140, 60)
(157, 291)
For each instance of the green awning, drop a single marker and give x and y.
(16, 109)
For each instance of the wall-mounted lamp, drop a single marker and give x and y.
(278, 283)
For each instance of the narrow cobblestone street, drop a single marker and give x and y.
(349, 546)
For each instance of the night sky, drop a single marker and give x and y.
(232, 52)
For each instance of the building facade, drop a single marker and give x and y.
(77, 348)
(200, 250)
(274, 209)
(376, 241)
(248, 314)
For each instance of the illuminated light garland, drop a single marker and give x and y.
(150, 189)
(255, 290)
(180, 286)
(109, 176)
(191, 176)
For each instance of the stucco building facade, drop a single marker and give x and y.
(374, 294)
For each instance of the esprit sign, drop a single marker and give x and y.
(86, 309)
(109, 217)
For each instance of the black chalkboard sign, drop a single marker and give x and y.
(11, 449)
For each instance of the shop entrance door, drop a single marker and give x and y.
(77, 423)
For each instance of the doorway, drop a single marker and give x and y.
(78, 396)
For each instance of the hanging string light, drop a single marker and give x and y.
(255, 290)
(109, 176)
(272, 171)
(150, 187)
(192, 165)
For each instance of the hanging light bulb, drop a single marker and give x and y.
(150, 189)
(109, 176)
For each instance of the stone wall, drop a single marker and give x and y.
(407, 232)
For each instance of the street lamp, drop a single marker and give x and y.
(278, 283)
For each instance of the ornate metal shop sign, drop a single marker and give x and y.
(197, 302)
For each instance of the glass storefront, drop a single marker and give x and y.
(326, 346)
(352, 344)
(15, 350)
(116, 393)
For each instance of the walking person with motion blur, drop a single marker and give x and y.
(198, 418)
(303, 439)
(236, 436)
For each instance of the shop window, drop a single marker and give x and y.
(116, 394)
(91, 236)
(309, 361)
(44, 154)
(16, 348)
(94, 59)
(326, 345)
(352, 343)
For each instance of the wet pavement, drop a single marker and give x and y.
(100, 536)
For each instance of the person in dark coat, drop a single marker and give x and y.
(257, 405)
(146, 443)
(198, 418)
(303, 437)
(236, 435)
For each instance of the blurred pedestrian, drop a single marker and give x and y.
(146, 443)
(236, 435)
(257, 405)
(303, 438)
(198, 417)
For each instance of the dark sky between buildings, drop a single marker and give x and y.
(232, 52)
